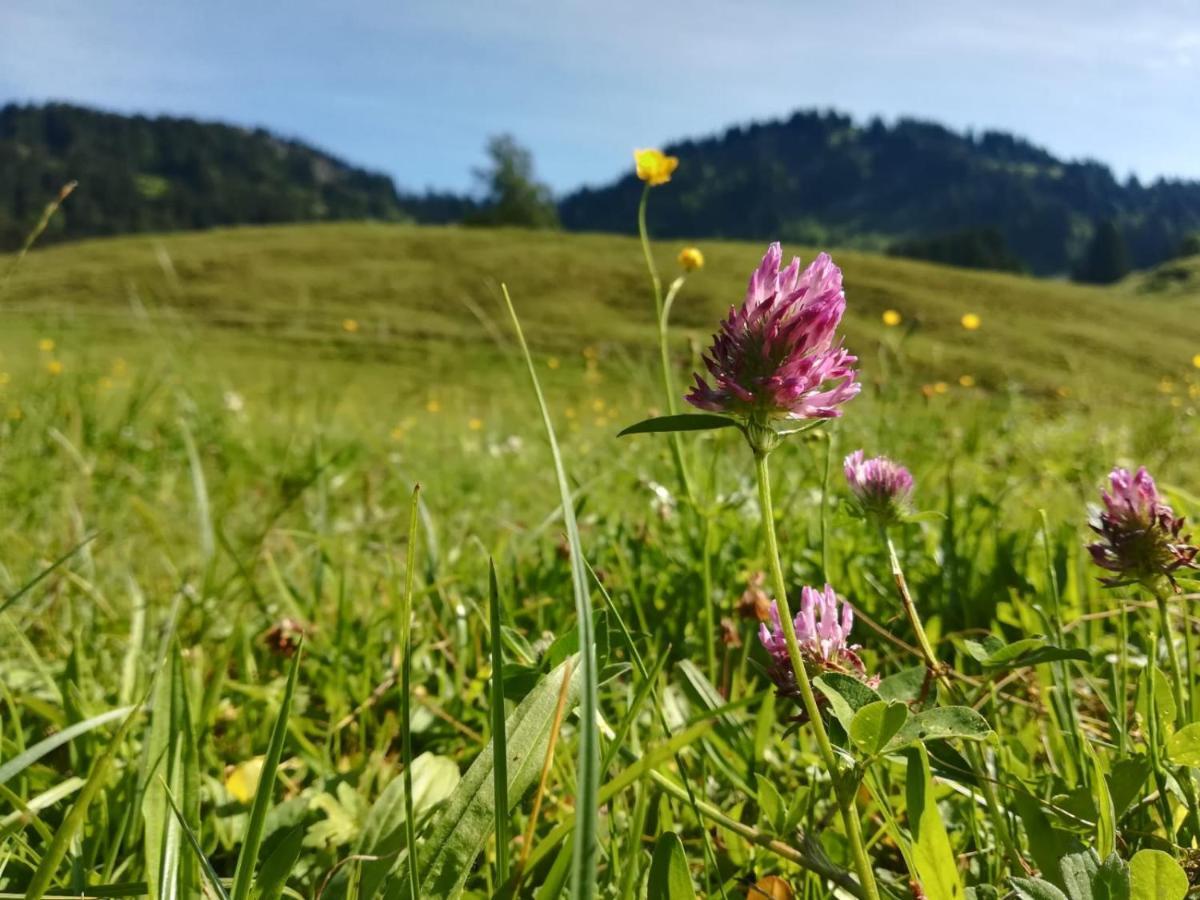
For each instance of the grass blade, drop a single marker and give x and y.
(499, 735)
(405, 640)
(194, 842)
(20, 763)
(243, 875)
(77, 817)
(36, 579)
(587, 809)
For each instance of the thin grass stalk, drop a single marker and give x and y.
(404, 646)
(499, 731)
(845, 798)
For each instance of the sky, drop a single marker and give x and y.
(414, 89)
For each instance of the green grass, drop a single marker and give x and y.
(243, 458)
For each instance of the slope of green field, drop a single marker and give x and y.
(429, 297)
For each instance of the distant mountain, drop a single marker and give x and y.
(914, 187)
(162, 174)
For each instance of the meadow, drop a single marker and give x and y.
(214, 568)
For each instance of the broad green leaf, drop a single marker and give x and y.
(1183, 747)
(932, 856)
(683, 422)
(1047, 844)
(909, 685)
(942, 723)
(876, 724)
(846, 696)
(278, 864)
(1078, 871)
(434, 779)
(669, 875)
(993, 653)
(770, 804)
(1154, 875)
(1036, 889)
(1112, 880)
(461, 829)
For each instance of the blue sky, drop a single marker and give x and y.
(413, 89)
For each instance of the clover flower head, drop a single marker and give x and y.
(823, 625)
(1141, 538)
(881, 488)
(778, 356)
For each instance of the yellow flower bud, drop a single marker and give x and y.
(691, 259)
(892, 318)
(971, 322)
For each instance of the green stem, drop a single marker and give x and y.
(942, 674)
(710, 624)
(664, 350)
(845, 798)
(1164, 617)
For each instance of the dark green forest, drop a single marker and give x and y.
(818, 177)
(138, 173)
(988, 200)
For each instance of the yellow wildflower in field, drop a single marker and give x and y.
(1194, 391)
(105, 383)
(553, 363)
(433, 406)
(54, 367)
(966, 381)
(46, 345)
(940, 387)
(569, 412)
(398, 433)
(475, 424)
(691, 259)
(350, 325)
(971, 322)
(1196, 360)
(242, 780)
(598, 405)
(4, 378)
(892, 318)
(653, 166)
(1166, 385)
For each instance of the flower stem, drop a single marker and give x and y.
(843, 791)
(1164, 616)
(663, 346)
(940, 672)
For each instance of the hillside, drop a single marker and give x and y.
(823, 177)
(428, 298)
(140, 174)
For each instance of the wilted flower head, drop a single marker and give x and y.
(776, 357)
(880, 487)
(823, 632)
(654, 167)
(1139, 533)
(690, 259)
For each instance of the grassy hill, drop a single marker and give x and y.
(429, 298)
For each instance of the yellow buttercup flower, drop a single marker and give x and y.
(553, 363)
(892, 318)
(1196, 360)
(242, 780)
(475, 424)
(691, 259)
(940, 387)
(433, 406)
(46, 345)
(350, 325)
(653, 166)
(966, 380)
(54, 367)
(971, 322)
